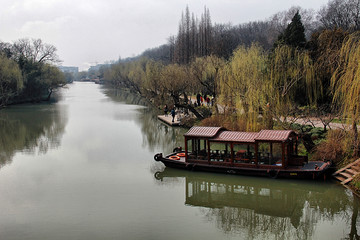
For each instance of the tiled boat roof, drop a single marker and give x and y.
(222, 135)
(205, 132)
(274, 135)
(231, 136)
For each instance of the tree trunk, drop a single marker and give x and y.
(176, 99)
(191, 109)
(356, 139)
(308, 142)
(49, 95)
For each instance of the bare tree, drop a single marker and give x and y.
(34, 50)
(344, 14)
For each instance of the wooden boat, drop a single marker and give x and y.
(271, 153)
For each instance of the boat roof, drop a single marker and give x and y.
(232, 136)
(204, 132)
(274, 135)
(220, 134)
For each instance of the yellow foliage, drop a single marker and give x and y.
(290, 71)
(242, 83)
(346, 79)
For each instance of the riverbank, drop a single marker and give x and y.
(331, 144)
(355, 185)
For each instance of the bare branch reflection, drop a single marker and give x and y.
(156, 135)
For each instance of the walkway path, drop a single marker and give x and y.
(168, 120)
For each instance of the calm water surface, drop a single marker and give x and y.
(83, 168)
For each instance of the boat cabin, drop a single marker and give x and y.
(265, 149)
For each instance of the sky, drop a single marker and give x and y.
(88, 32)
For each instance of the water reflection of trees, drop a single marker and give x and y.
(156, 135)
(266, 209)
(31, 129)
(254, 207)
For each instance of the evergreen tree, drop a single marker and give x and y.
(294, 34)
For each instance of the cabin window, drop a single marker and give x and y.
(220, 152)
(197, 149)
(270, 154)
(244, 153)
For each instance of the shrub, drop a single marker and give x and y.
(356, 183)
(335, 148)
(204, 111)
(188, 122)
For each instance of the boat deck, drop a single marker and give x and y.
(311, 165)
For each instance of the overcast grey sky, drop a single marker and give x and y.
(89, 31)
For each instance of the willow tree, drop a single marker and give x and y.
(241, 84)
(129, 75)
(290, 83)
(151, 84)
(204, 72)
(11, 80)
(325, 49)
(176, 84)
(137, 74)
(52, 78)
(345, 83)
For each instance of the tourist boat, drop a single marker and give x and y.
(272, 153)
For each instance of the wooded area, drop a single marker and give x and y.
(265, 74)
(27, 71)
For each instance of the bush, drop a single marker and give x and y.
(204, 111)
(317, 133)
(355, 183)
(188, 122)
(335, 148)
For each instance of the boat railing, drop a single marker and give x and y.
(244, 157)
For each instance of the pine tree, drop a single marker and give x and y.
(294, 34)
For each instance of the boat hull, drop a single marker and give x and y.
(290, 173)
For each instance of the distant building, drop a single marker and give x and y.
(69, 69)
(97, 67)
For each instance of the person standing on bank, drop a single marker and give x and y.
(166, 110)
(198, 96)
(173, 113)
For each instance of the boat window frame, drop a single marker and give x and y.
(206, 148)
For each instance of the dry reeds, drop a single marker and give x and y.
(336, 148)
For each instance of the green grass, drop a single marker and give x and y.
(356, 183)
(337, 120)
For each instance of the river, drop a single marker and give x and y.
(83, 168)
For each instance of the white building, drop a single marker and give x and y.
(69, 69)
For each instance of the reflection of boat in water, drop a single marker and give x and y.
(260, 205)
(270, 153)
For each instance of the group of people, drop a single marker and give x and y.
(200, 100)
(172, 112)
